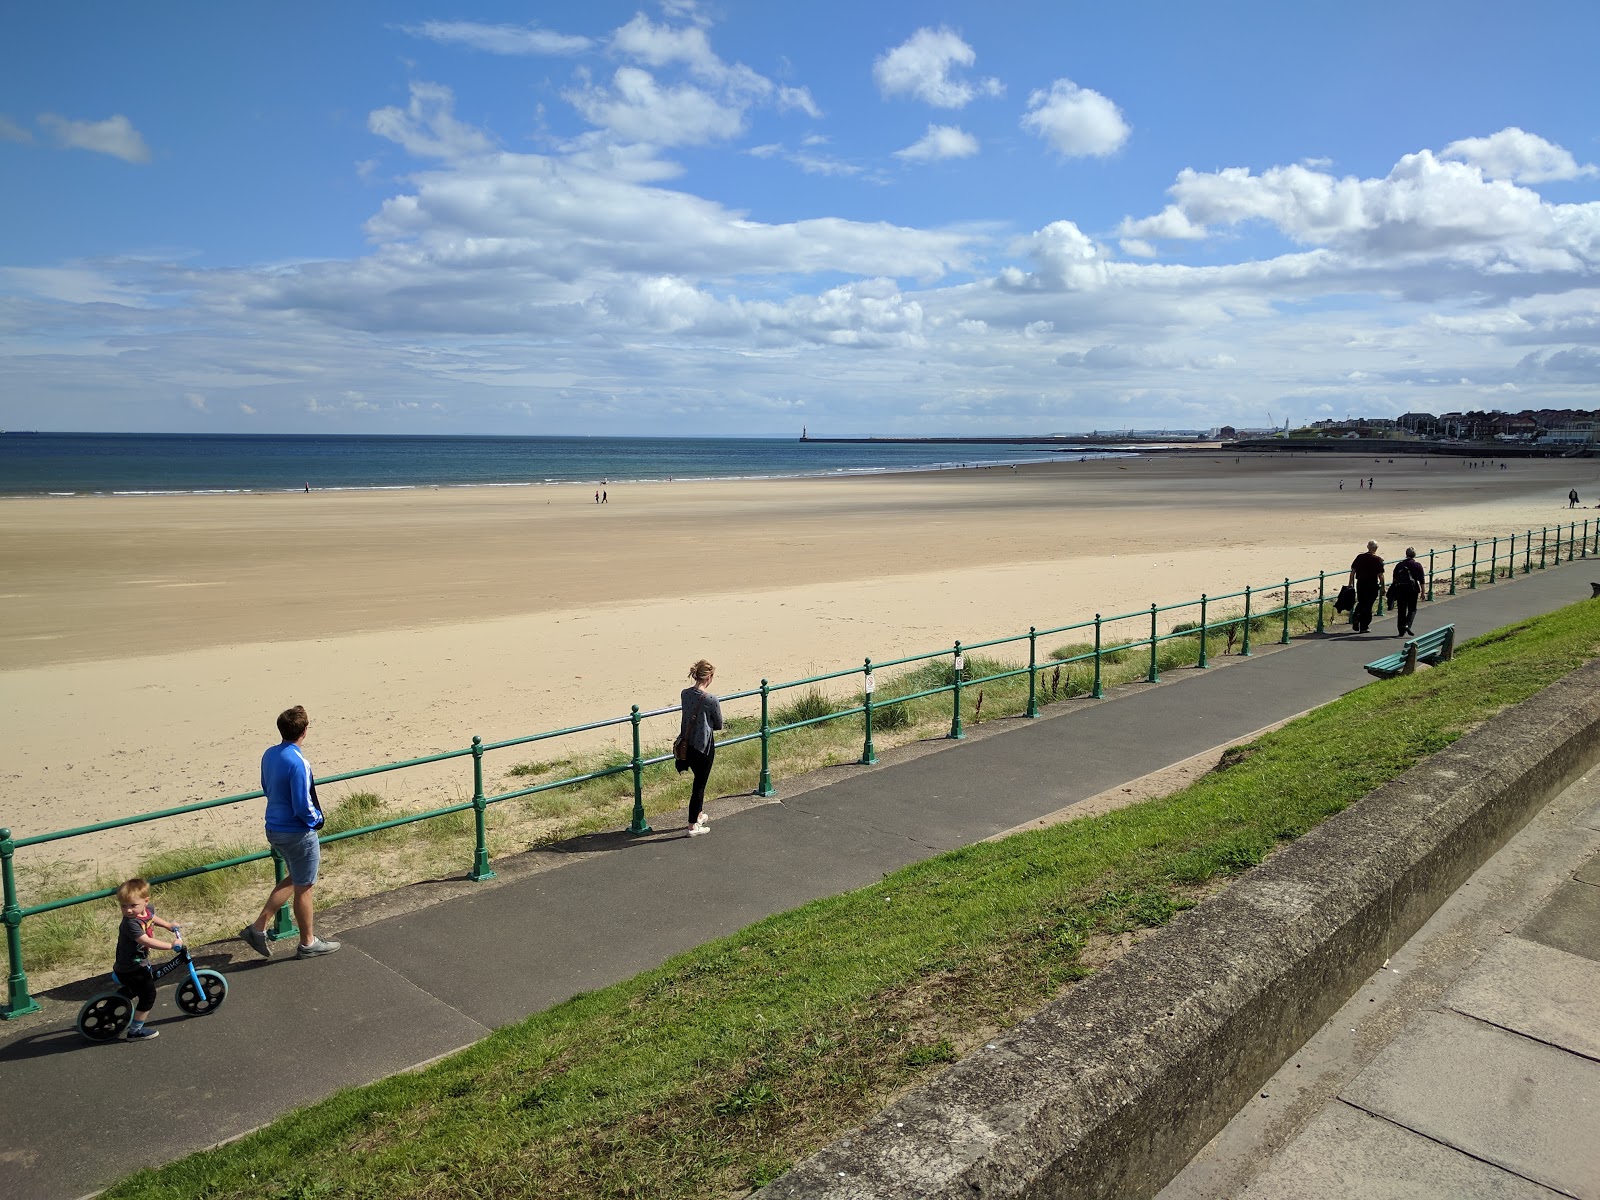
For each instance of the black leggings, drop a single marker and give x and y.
(141, 985)
(700, 764)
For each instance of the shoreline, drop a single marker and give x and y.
(147, 647)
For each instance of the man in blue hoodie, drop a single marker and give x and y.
(293, 819)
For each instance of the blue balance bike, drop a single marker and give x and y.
(104, 1017)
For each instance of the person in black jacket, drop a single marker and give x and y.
(1405, 590)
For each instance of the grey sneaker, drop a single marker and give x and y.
(256, 940)
(143, 1034)
(316, 949)
(697, 830)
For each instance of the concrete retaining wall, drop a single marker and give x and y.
(1111, 1089)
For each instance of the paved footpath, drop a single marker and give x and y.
(413, 986)
(1468, 1068)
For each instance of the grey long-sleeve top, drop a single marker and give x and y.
(701, 715)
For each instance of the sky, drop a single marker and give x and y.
(868, 219)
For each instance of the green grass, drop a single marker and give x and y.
(714, 1072)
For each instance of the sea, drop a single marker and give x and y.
(153, 464)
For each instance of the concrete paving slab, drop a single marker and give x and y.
(1589, 872)
(1570, 921)
(290, 1032)
(1590, 819)
(1516, 1103)
(1536, 991)
(1348, 1154)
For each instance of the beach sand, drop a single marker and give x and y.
(148, 642)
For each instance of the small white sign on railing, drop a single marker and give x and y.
(869, 685)
(960, 661)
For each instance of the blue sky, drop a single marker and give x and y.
(737, 219)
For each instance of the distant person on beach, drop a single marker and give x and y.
(293, 818)
(702, 716)
(1405, 589)
(597, 497)
(1366, 573)
(605, 497)
(1572, 498)
(1369, 483)
(1341, 485)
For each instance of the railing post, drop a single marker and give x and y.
(1245, 651)
(1285, 639)
(480, 852)
(1527, 552)
(1452, 568)
(1322, 599)
(638, 824)
(1099, 690)
(1585, 552)
(956, 731)
(283, 925)
(1154, 675)
(1203, 632)
(1494, 560)
(1544, 545)
(1472, 580)
(18, 1002)
(1511, 558)
(868, 754)
(764, 783)
(1033, 672)
(1430, 574)
(1572, 536)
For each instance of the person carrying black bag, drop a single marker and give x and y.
(1366, 575)
(1405, 590)
(701, 717)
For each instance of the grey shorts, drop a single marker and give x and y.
(302, 854)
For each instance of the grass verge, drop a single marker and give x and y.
(713, 1073)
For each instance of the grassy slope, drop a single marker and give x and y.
(714, 1072)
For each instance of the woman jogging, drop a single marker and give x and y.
(702, 716)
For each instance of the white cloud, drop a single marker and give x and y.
(1425, 210)
(427, 126)
(636, 108)
(195, 401)
(10, 131)
(1518, 156)
(500, 39)
(115, 136)
(1078, 122)
(920, 67)
(1137, 248)
(940, 142)
(1170, 222)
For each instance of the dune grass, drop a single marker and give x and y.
(713, 1073)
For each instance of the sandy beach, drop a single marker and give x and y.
(148, 642)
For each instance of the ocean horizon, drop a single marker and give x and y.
(147, 464)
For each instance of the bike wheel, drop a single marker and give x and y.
(105, 1016)
(208, 997)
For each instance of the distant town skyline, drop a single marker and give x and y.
(734, 219)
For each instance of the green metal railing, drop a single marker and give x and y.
(1235, 616)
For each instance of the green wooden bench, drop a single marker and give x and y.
(1431, 648)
